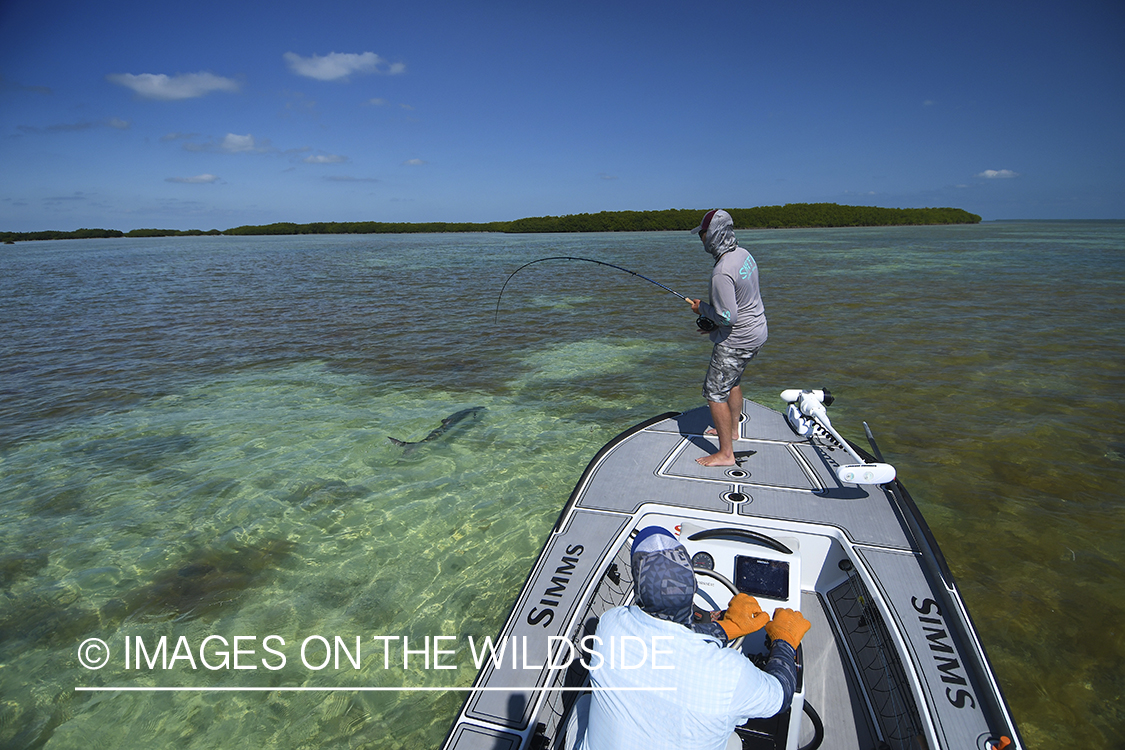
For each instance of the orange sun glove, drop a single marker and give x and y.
(743, 616)
(789, 626)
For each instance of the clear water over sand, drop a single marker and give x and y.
(193, 442)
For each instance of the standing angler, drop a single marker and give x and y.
(738, 330)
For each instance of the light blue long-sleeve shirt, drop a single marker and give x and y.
(715, 688)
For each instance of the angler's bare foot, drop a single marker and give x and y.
(713, 431)
(716, 459)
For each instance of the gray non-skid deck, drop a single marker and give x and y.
(883, 662)
(782, 477)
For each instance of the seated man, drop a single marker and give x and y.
(715, 688)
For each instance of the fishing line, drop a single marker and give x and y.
(587, 260)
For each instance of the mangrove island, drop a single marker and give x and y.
(789, 216)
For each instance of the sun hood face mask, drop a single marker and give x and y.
(719, 238)
(663, 576)
(665, 581)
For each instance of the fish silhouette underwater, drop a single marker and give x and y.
(446, 425)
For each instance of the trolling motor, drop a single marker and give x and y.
(807, 412)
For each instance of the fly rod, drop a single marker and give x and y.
(587, 260)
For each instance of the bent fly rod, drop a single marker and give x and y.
(587, 260)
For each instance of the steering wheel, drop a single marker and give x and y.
(726, 582)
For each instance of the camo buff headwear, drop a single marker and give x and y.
(663, 575)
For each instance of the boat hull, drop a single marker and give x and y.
(892, 656)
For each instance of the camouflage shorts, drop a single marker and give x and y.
(725, 371)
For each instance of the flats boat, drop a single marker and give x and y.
(804, 520)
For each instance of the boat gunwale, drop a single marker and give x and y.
(588, 472)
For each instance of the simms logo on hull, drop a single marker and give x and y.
(544, 612)
(943, 653)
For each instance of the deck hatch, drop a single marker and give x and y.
(878, 664)
(482, 738)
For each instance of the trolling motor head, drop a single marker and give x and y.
(823, 396)
(804, 408)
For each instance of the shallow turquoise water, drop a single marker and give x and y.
(193, 442)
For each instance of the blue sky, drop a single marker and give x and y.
(212, 115)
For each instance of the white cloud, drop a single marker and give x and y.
(346, 178)
(326, 159)
(414, 162)
(230, 144)
(998, 174)
(199, 179)
(171, 88)
(237, 144)
(118, 123)
(337, 65)
(377, 102)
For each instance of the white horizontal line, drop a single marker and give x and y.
(363, 689)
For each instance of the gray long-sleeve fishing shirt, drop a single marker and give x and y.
(736, 300)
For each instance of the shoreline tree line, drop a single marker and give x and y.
(789, 216)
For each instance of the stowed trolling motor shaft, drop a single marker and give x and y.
(811, 404)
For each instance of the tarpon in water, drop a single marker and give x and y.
(446, 424)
